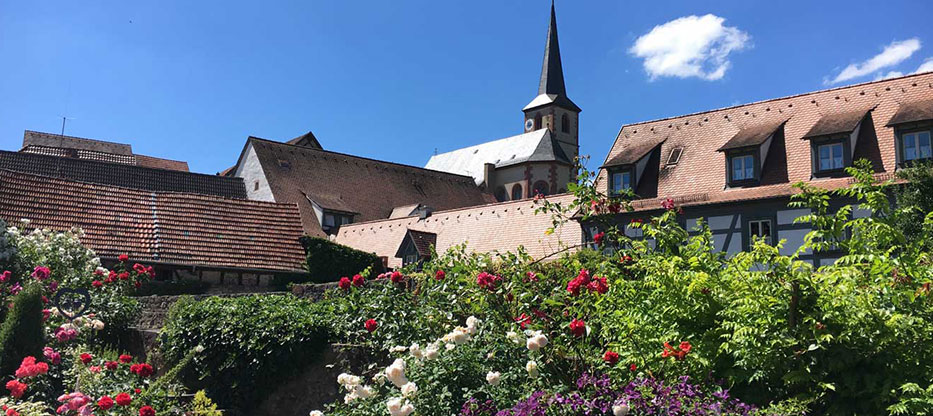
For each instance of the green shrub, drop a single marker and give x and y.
(21, 334)
(250, 344)
(202, 405)
(329, 261)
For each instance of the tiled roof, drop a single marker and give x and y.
(910, 112)
(836, 123)
(36, 138)
(159, 163)
(171, 228)
(752, 135)
(701, 169)
(370, 188)
(91, 149)
(535, 146)
(118, 174)
(422, 241)
(635, 153)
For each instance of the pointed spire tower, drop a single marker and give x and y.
(552, 109)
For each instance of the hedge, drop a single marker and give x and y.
(329, 261)
(21, 334)
(251, 344)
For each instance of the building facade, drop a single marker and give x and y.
(735, 167)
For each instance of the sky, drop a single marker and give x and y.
(399, 80)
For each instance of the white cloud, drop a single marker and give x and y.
(892, 54)
(890, 74)
(691, 46)
(926, 66)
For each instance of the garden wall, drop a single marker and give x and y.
(494, 227)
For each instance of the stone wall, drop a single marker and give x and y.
(155, 308)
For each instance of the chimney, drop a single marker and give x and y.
(489, 175)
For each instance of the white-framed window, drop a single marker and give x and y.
(831, 156)
(743, 168)
(916, 145)
(410, 258)
(621, 181)
(332, 221)
(759, 229)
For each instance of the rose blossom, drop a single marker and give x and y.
(396, 373)
(41, 272)
(532, 368)
(620, 409)
(536, 341)
(577, 328)
(16, 388)
(126, 358)
(371, 325)
(123, 258)
(440, 275)
(493, 377)
(123, 399)
(86, 358)
(358, 280)
(53, 356)
(105, 403)
(611, 357)
(147, 411)
(344, 283)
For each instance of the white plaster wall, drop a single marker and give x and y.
(251, 171)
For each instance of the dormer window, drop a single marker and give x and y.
(832, 142)
(620, 181)
(831, 156)
(747, 151)
(915, 145)
(742, 168)
(913, 127)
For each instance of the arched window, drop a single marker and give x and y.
(517, 192)
(538, 125)
(565, 123)
(500, 194)
(540, 188)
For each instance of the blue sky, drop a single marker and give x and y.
(395, 80)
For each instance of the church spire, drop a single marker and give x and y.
(552, 74)
(551, 88)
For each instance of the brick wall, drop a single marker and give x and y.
(494, 227)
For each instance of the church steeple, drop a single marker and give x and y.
(551, 89)
(552, 109)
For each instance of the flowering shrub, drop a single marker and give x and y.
(655, 315)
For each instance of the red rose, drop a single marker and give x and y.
(11, 412)
(598, 285)
(668, 204)
(124, 275)
(488, 281)
(523, 320)
(143, 370)
(137, 390)
(86, 358)
(358, 280)
(46, 313)
(598, 238)
(582, 279)
(344, 283)
(123, 399)
(440, 275)
(633, 367)
(97, 283)
(139, 268)
(111, 365)
(146, 411)
(611, 357)
(577, 328)
(105, 403)
(396, 277)
(531, 277)
(16, 388)
(371, 325)
(125, 358)
(123, 258)
(42, 368)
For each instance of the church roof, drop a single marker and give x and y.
(369, 188)
(535, 146)
(551, 88)
(90, 149)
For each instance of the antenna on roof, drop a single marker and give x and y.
(63, 124)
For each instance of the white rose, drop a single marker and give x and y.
(415, 351)
(398, 348)
(450, 346)
(409, 389)
(363, 392)
(493, 377)
(431, 352)
(316, 413)
(471, 324)
(620, 409)
(98, 325)
(396, 373)
(200, 349)
(397, 408)
(536, 342)
(532, 368)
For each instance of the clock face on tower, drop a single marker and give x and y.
(529, 124)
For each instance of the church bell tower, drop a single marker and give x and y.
(552, 109)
